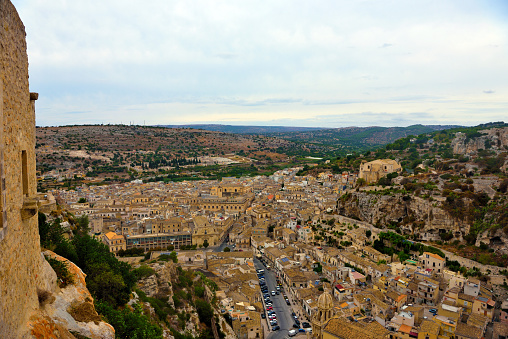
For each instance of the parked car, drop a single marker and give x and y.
(433, 311)
(276, 328)
(305, 325)
(263, 316)
(295, 325)
(301, 330)
(269, 308)
(292, 333)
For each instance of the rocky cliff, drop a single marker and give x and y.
(410, 213)
(495, 139)
(66, 310)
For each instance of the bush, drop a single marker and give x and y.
(143, 271)
(129, 324)
(63, 274)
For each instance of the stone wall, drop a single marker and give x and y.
(20, 258)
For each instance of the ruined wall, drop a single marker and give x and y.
(20, 258)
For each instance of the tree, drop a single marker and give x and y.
(173, 256)
(205, 243)
(361, 182)
(82, 224)
(368, 233)
(81, 200)
(227, 249)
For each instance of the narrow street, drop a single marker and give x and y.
(282, 310)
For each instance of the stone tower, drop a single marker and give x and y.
(20, 257)
(323, 314)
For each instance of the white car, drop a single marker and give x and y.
(292, 333)
(273, 292)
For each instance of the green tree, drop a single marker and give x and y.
(205, 243)
(227, 249)
(173, 256)
(82, 224)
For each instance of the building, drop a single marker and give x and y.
(373, 171)
(20, 252)
(323, 315)
(114, 241)
(432, 261)
(158, 240)
(247, 324)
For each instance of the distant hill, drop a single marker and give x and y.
(359, 138)
(245, 129)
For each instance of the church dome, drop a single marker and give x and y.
(325, 301)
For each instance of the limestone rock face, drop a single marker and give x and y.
(497, 240)
(412, 213)
(48, 281)
(149, 285)
(495, 138)
(159, 283)
(70, 308)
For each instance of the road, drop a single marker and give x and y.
(280, 307)
(223, 245)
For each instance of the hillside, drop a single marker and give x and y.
(452, 191)
(358, 138)
(244, 129)
(71, 155)
(97, 153)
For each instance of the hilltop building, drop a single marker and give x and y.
(374, 170)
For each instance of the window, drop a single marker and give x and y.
(3, 214)
(24, 172)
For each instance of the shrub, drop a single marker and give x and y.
(143, 271)
(62, 271)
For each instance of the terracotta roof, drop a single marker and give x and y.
(435, 256)
(468, 331)
(405, 328)
(343, 328)
(428, 326)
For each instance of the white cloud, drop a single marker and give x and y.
(255, 61)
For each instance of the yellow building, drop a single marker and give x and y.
(114, 241)
(428, 330)
(203, 230)
(375, 170)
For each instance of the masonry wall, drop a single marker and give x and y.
(20, 257)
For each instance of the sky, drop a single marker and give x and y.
(319, 63)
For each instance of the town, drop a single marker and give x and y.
(285, 262)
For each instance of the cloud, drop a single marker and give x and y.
(226, 55)
(193, 61)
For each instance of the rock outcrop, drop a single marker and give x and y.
(68, 309)
(495, 139)
(411, 213)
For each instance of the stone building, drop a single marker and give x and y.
(20, 253)
(374, 170)
(323, 315)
